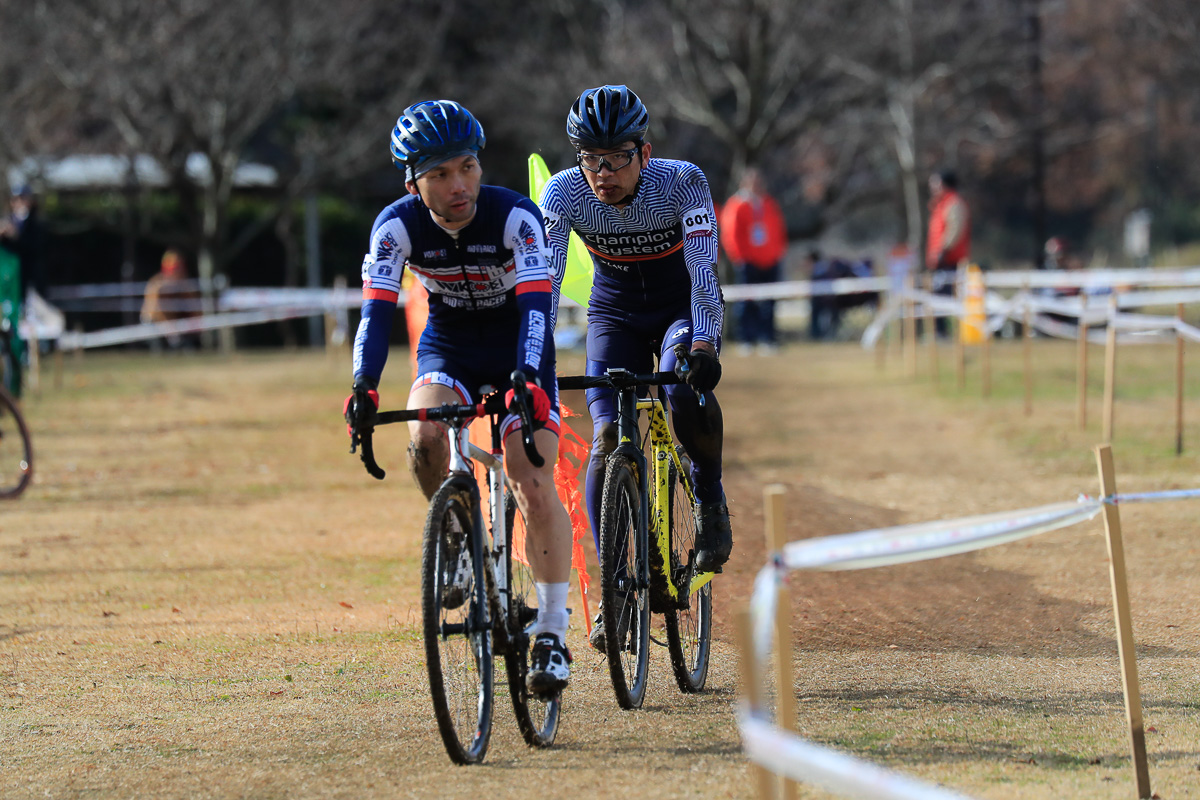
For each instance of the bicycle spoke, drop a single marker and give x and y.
(16, 451)
(689, 624)
(458, 640)
(537, 719)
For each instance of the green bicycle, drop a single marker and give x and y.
(648, 544)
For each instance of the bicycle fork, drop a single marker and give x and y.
(628, 436)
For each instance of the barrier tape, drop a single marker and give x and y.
(125, 334)
(789, 755)
(784, 752)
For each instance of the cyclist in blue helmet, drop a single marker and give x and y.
(480, 252)
(650, 227)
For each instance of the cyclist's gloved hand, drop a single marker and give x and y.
(704, 371)
(362, 403)
(539, 403)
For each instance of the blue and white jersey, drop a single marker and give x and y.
(489, 279)
(656, 252)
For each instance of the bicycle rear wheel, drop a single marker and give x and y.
(689, 624)
(16, 449)
(458, 637)
(623, 584)
(537, 719)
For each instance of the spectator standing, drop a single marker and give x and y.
(22, 239)
(22, 234)
(170, 295)
(755, 239)
(949, 241)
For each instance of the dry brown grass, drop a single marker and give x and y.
(204, 595)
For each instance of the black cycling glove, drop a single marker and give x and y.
(360, 407)
(704, 371)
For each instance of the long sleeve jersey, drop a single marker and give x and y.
(486, 279)
(659, 250)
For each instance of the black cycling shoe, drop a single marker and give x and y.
(714, 537)
(599, 640)
(549, 667)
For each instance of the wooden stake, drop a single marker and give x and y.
(882, 344)
(960, 348)
(910, 327)
(931, 330)
(987, 358)
(1081, 369)
(1028, 354)
(1110, 369)
(1126, 648)
(1179, 383)
(58, 367)
(752, 687)
(784, 683)
(33, 347)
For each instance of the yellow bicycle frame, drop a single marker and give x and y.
(662, 447)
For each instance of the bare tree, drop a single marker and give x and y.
(754, 73)
(192, 78)
(946, 60)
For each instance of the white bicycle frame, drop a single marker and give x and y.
(463, 452)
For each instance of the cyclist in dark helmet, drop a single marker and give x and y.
(650, 227)
(479, 250)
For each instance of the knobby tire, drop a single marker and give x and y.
(16, 449)
(537, 719)
(458, 649)
(689, 630)
(623, 589)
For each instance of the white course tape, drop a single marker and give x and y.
(906, 543)
(787, 754)
(125, 334)
(1154, 497)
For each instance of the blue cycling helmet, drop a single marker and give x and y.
(432, 132)
(606, 117)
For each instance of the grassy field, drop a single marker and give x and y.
(204, 595)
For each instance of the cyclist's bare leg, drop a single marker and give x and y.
(549, 528)
(548, 548)
(428, 450)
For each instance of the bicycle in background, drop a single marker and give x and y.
(477, 600)
(648, 542)
(16, 448)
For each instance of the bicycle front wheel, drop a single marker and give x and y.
(689, 623)
(537, 719)
(623, 588)
(458, 637)
(16, 450)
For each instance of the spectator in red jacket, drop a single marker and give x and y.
(949, 242)
(755, 239)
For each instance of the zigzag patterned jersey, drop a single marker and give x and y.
(658, 251)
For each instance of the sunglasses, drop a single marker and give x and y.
(594, 162)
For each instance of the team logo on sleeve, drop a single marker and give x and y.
(385, 250)
(527, 235)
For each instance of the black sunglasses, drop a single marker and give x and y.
(594, 162)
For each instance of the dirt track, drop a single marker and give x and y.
(204, 595)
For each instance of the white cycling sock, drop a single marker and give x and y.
(552, 609)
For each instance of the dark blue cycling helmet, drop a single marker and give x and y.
(432, 132)
(606, 117)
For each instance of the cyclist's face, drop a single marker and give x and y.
(450, 190)
(615, 186)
